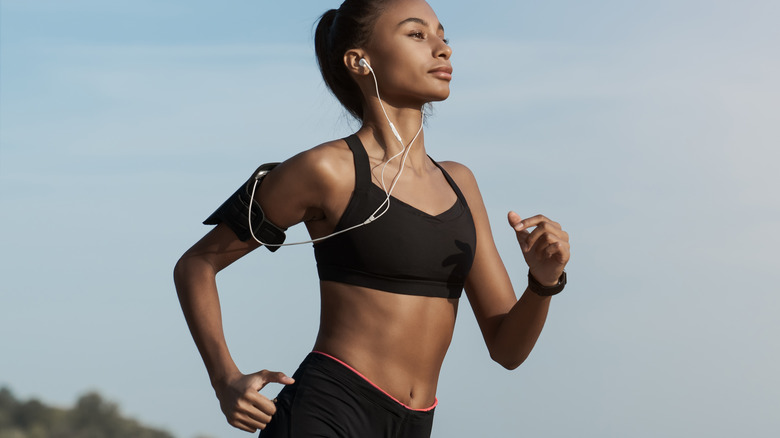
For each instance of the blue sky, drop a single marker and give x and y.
(650, 130)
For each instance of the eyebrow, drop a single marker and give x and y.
(419, 21)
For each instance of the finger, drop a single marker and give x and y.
(544, 234)
(535, 221)
(558, 251)
(245, 411)
(248, 425)
(252, 399)
(264, 377)
(250, 415)
(552, 251)
(263, 405)
(258, 416)
(540, 225)
(279, 377)
(515, 221)
(243, 426)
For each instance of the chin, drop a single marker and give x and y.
(422, 99)
(441, 97)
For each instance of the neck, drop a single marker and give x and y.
(377, 131)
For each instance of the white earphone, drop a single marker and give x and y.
(365, 63)
(385, 205)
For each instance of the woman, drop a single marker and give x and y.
(417, 235)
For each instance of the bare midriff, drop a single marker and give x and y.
(396, 341)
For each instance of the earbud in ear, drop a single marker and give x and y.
(364, 63)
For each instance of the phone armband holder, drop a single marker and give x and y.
(235, 211)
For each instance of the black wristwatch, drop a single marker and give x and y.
(546, 291)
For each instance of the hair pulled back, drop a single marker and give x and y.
(339, 30)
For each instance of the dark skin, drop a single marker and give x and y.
(370, 329)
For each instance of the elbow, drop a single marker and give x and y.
(187, 268)
(180, 270)
(509, 362)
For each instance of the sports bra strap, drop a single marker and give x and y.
(362, 166)
(450, 181)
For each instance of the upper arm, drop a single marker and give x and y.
(295, 191)
(218, 248)
(488, 286)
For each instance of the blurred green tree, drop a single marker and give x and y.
(91, 417)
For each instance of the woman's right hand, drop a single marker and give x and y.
(241, 402)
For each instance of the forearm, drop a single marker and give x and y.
(519, 330)
(197, 290)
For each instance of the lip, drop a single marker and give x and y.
(443, 72)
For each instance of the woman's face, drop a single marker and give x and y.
(409, 55)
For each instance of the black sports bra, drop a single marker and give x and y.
(405, 251)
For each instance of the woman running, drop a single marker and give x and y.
(397, 237)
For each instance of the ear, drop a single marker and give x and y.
(352, 60)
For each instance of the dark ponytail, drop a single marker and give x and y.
(339, 30)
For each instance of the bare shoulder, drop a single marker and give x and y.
(320, 162)
(463, 177)
(300, 188)
(314, 168)
(330, 160)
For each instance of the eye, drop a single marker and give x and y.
(418, 35)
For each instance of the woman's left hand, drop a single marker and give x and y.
(545, 248)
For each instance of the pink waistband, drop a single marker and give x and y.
(435, 402)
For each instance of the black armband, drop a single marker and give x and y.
(234, 213)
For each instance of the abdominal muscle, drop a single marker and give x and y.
(398, 342)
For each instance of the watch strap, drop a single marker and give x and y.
(546, 291)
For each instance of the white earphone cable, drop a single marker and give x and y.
(384, 206)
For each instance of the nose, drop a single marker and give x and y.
(443, 50)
